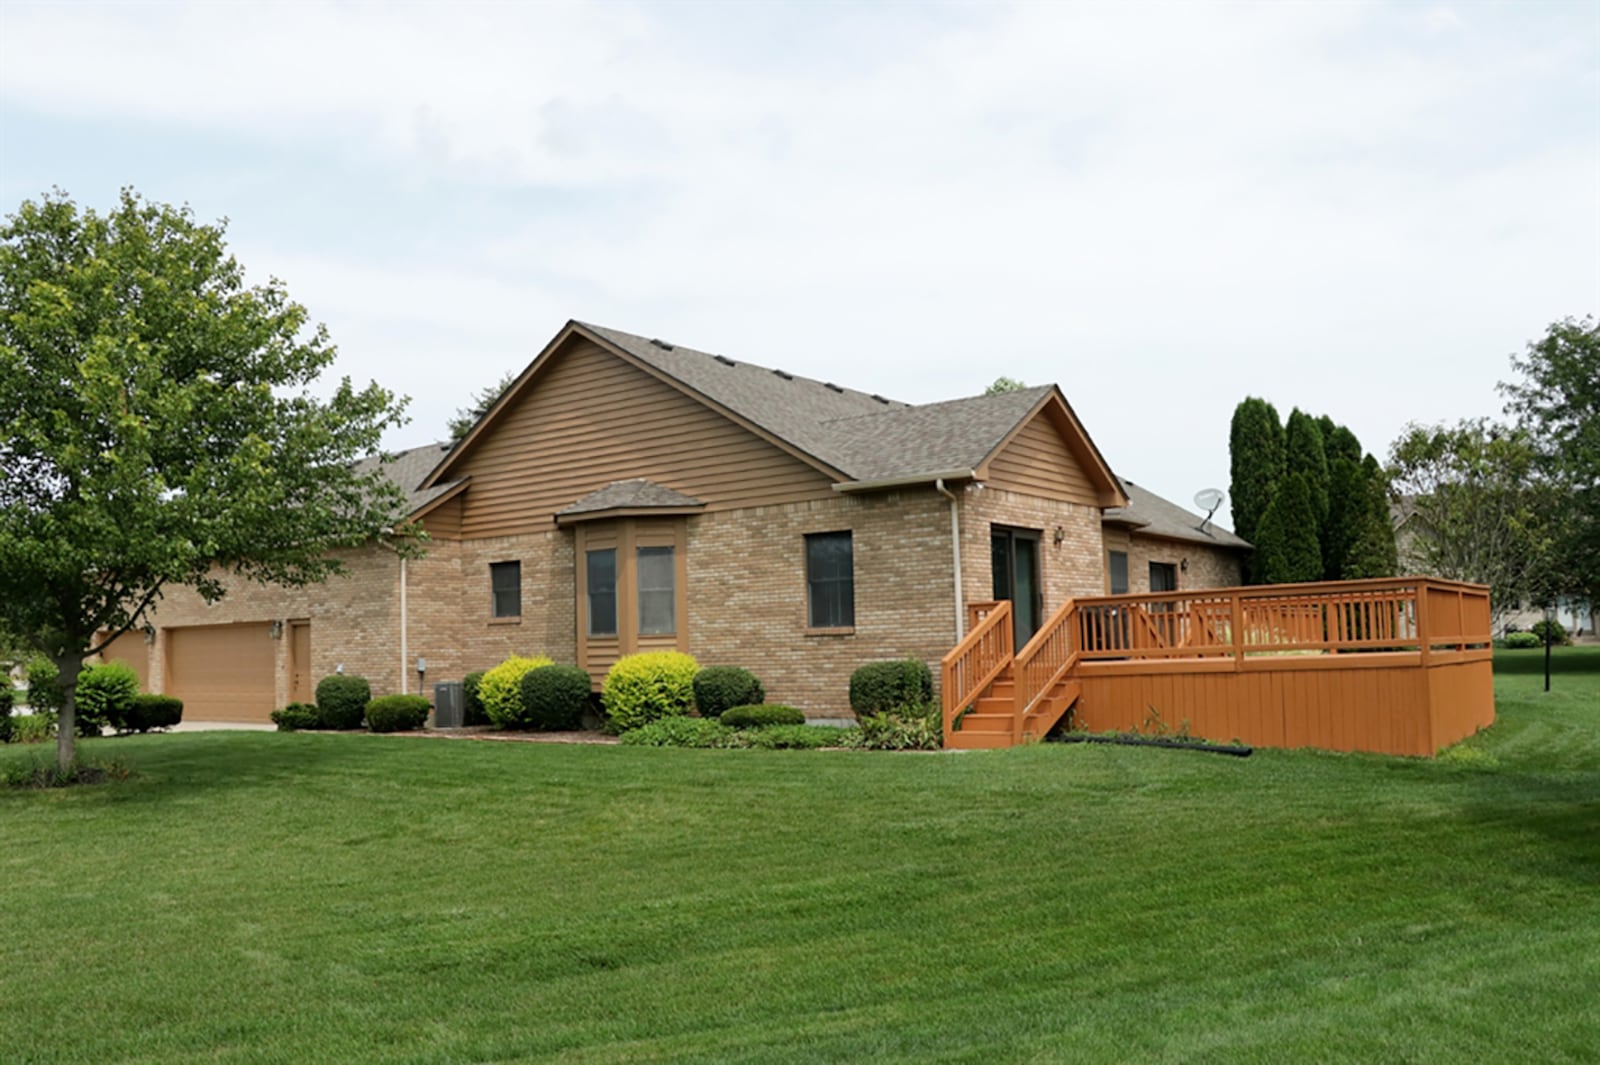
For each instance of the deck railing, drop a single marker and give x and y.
(1400, 613)
(1048, 656)
(978, 660)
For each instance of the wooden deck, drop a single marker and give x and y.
(1394, 666)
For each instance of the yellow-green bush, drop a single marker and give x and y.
(646, 687)
(500, 691)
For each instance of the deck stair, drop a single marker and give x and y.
(994, 698)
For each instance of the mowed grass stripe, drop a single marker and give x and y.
(263, 898)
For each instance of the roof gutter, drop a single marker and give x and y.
(935, 479)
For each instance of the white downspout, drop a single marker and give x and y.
(403, 658)
(955, 549)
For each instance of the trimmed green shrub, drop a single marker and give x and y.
(554, 697)
(1523, 640)
(44, 686)
(148, 712)
(646, 687)
(500, 690)
(297, 716)
(681, 731)
(342, 701)
(472, 712)
(397, 713)
(104, 695)
(1558, 631)
(719, 688)
(879, 687)
(762, 716)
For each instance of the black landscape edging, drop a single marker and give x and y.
(1238, 751)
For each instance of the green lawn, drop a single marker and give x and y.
(252, 897)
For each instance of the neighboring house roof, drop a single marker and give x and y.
(634, 496)
(852, 436)
(409, 469)
(1150, 515)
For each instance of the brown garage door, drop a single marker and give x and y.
(222, 672)
(131, 649)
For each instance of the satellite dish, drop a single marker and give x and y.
(1208, 500)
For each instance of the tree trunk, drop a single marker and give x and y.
(67, 724)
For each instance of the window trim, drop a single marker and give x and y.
(670, 552)
(495, 616)
(838, 628)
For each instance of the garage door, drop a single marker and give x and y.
(222, 672)
(130, 648)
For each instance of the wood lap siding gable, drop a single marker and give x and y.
(592, 419)
(1037, 462)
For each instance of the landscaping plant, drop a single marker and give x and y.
(500, 690)
(472, 712)
(146, 712)
(716, 688)
(342, 701)
(879, 687)
(105, 693)
(645, 687)
(397, 713)
(763, 715)
(297, 717)
(554, 697)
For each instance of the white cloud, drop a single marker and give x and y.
(1356, 208)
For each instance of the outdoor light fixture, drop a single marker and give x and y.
(1183, 564)
(149, 631)
(1061, 534)
(275, 630)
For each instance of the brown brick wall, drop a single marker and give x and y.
(747, 592)
(1071, 568)
(1199, 565)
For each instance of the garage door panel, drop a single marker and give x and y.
(222, 672)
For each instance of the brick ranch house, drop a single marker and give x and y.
(627, 494)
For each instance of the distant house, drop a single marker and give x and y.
(628, 494)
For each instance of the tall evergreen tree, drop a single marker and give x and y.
(1347, 508)
(1305, 454)
(1371, 552)
(1286, 539)
(1341, 443)
(1255, 454)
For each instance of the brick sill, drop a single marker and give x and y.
(505, 621)
(849, 631)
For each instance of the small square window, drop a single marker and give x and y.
(830, 581)
(505, 589)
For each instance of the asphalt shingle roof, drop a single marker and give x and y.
(638, 493)
(865, 437)
(1154, 516)
(408, 469)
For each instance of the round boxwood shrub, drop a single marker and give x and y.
(762, 716)
(1522, 640)
(501, 690)
(718, 688)
(879, 687)
(148, 712)
(342, 701)
(554, 697)
(104, 694)
(1558, 631)
(472, 712)
(297, 716)
(397, 713)
(646, 687)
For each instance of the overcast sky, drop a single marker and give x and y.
(1360, 209)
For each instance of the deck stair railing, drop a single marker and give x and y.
(1022, 695)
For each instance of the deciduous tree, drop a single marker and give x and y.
(158, 428)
